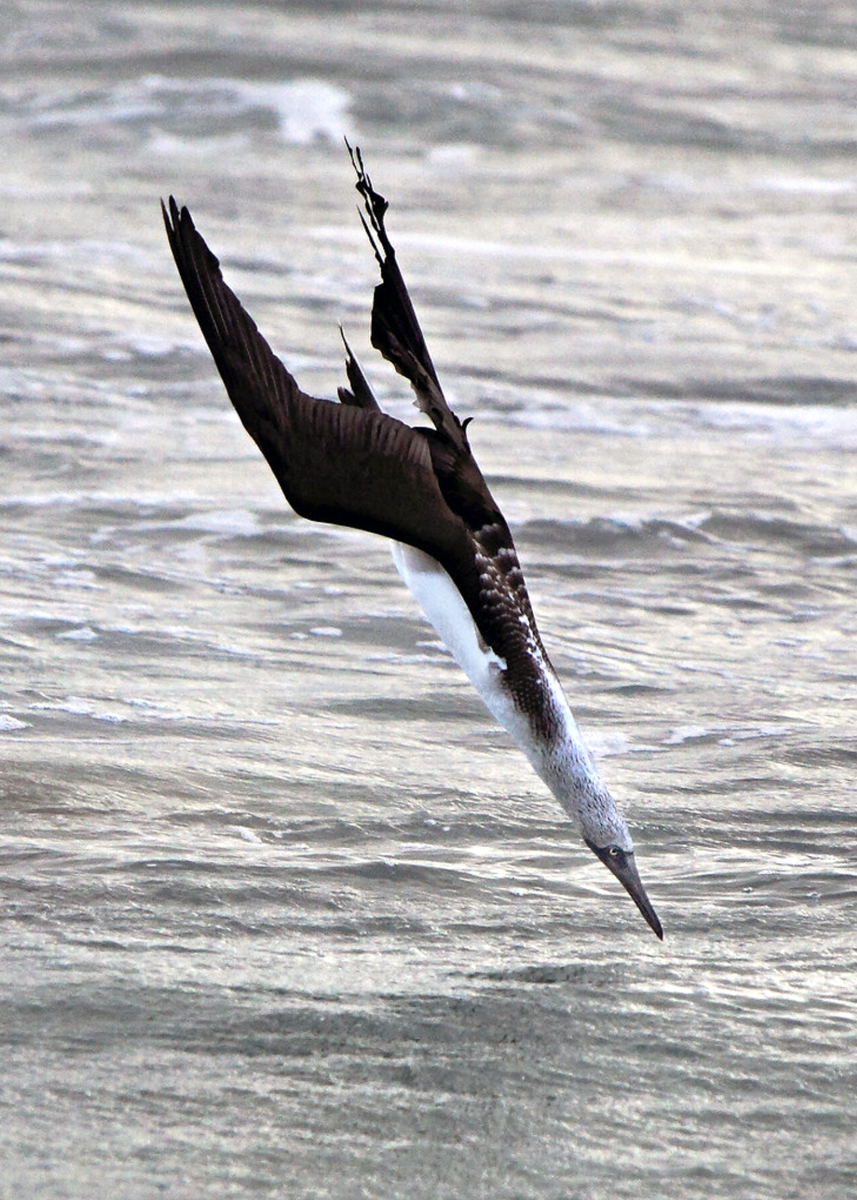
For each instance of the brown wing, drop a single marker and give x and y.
(396, 331)
(361, 394)
(347, 464)
(351, 464)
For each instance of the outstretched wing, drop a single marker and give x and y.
(352, 464)
(349, 464)
(395, 329)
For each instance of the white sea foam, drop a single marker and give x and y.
(807, 184)
(305, 109)
(84, 634)
(11, 724)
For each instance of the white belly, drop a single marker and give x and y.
(564, 764)
(443, 606)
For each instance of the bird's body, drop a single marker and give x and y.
(548, 734)
(351, 464)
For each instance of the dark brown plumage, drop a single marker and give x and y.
(350, 463)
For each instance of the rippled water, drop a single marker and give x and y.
(284, 913)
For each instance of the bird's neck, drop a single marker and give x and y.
(541, 721)
(558, 754)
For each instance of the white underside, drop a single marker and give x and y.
(442, 604)
(564, 764)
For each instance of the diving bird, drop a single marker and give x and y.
(349, 463)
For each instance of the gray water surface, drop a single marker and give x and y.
(284, 913)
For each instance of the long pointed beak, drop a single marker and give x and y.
(623, 866)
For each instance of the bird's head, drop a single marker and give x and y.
(618, 856)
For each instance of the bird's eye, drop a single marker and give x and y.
(616, 852)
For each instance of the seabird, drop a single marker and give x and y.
(349, 463)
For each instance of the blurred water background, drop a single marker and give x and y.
(284, 914)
